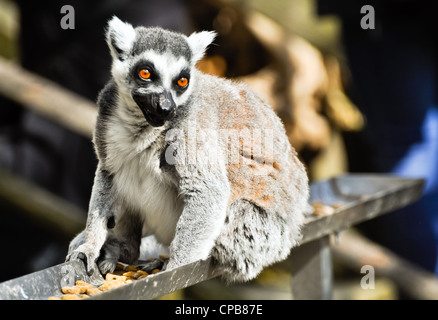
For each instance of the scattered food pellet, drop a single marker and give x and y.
(70, 290)
(320, 209)
(70, 296)
(123, 274)
(93, 291)
(337, 205)
(131, 268)
(84, 284)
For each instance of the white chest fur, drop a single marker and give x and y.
(141, 184)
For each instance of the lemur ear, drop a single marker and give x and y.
(120, 37)
(198, 42)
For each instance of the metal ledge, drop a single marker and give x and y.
(364, 197)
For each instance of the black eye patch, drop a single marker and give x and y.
(144, 65)
(184, 74)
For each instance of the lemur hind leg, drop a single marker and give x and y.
(122, 244)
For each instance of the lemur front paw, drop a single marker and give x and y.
(150, 265)
(107, 266)
(85, 254)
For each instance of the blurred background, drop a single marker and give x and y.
(352, 100)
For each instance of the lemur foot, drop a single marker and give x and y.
(86, 255)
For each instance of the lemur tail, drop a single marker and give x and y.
(252, 239)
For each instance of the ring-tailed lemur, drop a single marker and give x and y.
(200, 162)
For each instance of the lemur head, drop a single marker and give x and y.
(153, 67)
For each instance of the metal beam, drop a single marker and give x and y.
(364, 197)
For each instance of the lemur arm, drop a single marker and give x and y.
(206, 196)
(100, 218)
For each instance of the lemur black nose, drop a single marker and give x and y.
(156, 107)
(164, 105)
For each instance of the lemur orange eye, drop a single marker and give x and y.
(144, 74)
(182, 82)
